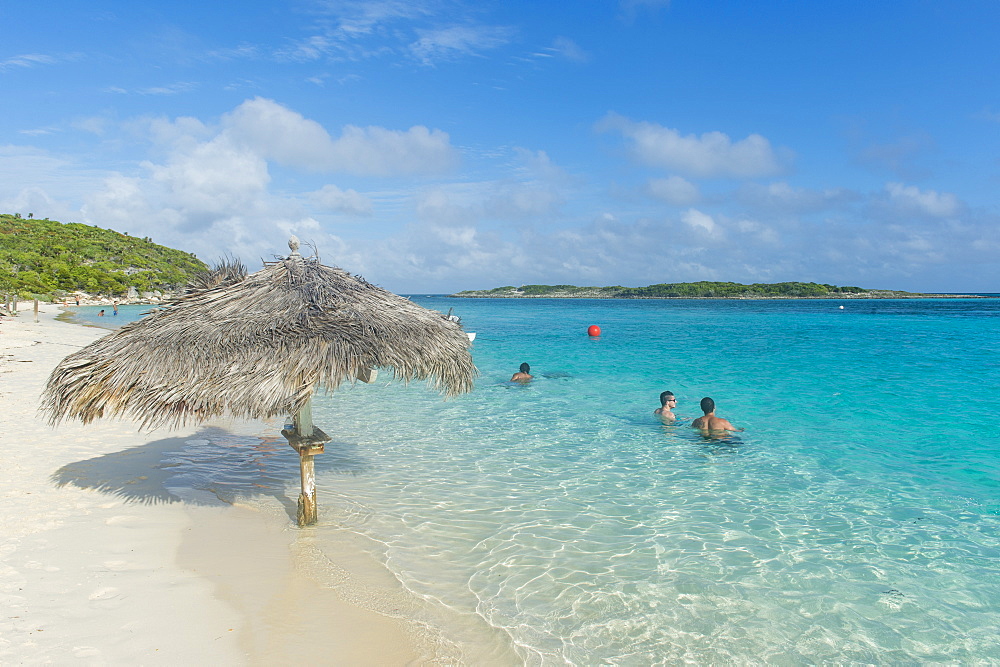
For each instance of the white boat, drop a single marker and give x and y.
(458, 320)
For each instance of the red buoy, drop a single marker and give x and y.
(594, 330)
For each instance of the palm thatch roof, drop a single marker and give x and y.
(257, 346)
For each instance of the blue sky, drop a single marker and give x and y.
(434, 146)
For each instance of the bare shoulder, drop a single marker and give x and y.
(725, 424)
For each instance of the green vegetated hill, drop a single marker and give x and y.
(698, 290)
(44, 257)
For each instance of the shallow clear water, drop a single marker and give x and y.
(856, 518)
(91, 314)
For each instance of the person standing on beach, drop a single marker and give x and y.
(115, 306)
(709, 423)
(523, 374)
(667, 403)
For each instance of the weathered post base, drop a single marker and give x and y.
(307, 512)
(307, 447)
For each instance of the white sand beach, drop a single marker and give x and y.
(101, 575)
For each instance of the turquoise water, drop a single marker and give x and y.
(90, 314)
(854, 520)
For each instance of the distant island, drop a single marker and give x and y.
(698, 290)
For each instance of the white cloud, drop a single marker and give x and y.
(212, 180)
(781, 197)
(357, 30)
(27, 172)
(182, 133)
(349, 202)
(285, 136)
(276, 132)
(381, 152)
(122, 201)
(311, 48)
(363, 17)
(462, 237)
(426, 31)
(535, 193)
(986, 246)
(541, 191)
(186, 206)
(170, 89)
(38, 131)
(701, 222)
(759, 230)
(911, 199)
(94, 125)
(673, 190)
(454, 41)
(209, 190)
(454, 205)
(565, 47)
(713, 154)
(241, 52)
(430, 256)
(210, 198)
(209, 193)
(539, 166)
(519, 201)
(26, 60)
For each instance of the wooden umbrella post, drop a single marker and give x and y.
(305, 438)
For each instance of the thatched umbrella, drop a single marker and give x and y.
(258, 346)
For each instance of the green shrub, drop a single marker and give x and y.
(41, 256)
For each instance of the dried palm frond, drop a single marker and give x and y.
(228, 271)
(257, 347)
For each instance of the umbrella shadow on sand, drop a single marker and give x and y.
(254, 346)
(210, 467)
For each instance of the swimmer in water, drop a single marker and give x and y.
(667, 403)
(709, 424)
(523, 374)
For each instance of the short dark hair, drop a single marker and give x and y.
(525, 368)
(665, 396)
(707, 405)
